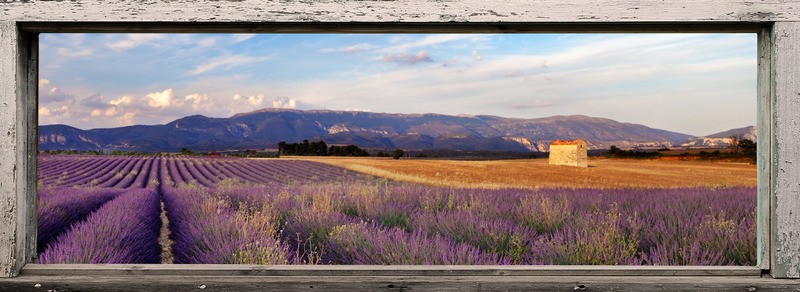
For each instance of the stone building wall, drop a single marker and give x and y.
(570, 153)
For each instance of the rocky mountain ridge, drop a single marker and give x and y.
(722, 139)
(265, 128)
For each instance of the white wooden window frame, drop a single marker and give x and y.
(777, 23)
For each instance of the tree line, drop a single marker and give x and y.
(740, 148)
(320, 148)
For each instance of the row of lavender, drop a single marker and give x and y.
(279, 212)
(142, 172)
(101, 209)
(120, 227)
(370, 223)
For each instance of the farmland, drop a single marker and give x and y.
(536, 173)
(177, 209)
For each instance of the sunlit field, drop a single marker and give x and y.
(182, 209)
(537, 173)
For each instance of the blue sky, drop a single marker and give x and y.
(691, 83)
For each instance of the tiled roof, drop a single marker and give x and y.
(567, 142)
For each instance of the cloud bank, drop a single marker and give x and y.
(120, 79)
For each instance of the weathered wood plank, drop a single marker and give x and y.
(8, 149)
(339, 283)
(17, 115)
(28, 143)
(366, 270)
(391, 27)
(765, 142)
(18, 143)
(785, 217)
(404, 11)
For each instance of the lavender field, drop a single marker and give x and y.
(161, 209)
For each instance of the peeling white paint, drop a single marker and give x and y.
(8, 149)
(786, 197)
(404, 11)
(783, 175)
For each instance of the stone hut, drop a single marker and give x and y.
(570, 153)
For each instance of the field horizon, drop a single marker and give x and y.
(217, 210)
(166, 123)
(537, 173)
(265, 128)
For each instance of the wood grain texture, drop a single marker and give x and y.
(778, 123)
(766, 143)
(27, 145)
(392, 27)
(9, 135)
(404, 11)
(369, 270)
(419, 283)
(785, 217)
(18, 144)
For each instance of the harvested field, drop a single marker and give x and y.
(537, 173)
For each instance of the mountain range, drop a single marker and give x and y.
(265, 128)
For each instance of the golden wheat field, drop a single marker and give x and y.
(537, 173)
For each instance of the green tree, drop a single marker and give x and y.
(734, 145)
(614, 150)
(186, 151)
(282, 147)
(396, 154)
(748, 148)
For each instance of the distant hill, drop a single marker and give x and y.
(748, 132)
(722, 139)
(265, 128)
(66, 137)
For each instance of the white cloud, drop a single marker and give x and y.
(256, 100)
(635, 73)
(430, 40)
(50, 94)
(96, 113)
(358, 110)
(566, 75)
(225, 61)
(127, 118)
(160, 99)
(199, 102)
(349, 49)
(404, 58)
(66, 53)
(238, 38)
(111, 111)
(134, 40)
(476, 56)
(56, 111)
(285, 102)
(533, 104)
(207, 42)
(125, 100)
